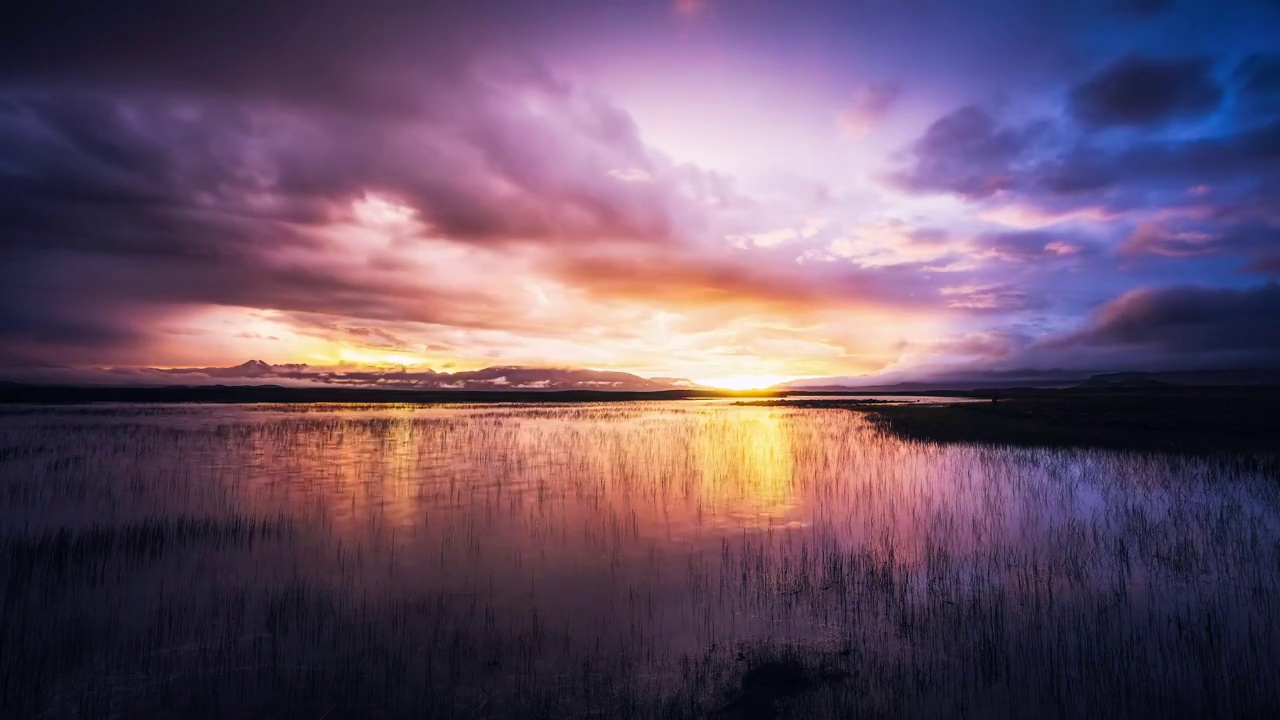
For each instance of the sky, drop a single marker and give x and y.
(738, 193)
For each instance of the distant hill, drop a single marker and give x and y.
(1184, 377)
(249, 369)
(1096, 382)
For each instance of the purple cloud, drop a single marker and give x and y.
(1182, 323)
(1143, 91)
(477, 183)
(1258, 76)
(967, 153)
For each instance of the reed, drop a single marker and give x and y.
(648, 560)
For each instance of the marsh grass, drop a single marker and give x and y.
(649, 561)
(1224, 421)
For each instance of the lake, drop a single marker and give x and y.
(630, 559)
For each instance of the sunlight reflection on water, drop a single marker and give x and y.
(617, 537)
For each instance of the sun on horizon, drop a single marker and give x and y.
(746, 382)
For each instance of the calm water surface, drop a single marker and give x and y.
(622, 559)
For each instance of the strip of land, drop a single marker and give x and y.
(66, 394)
(1186, 419)
(1171, 418)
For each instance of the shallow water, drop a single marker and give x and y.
(615, 559)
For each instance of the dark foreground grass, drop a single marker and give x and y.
(1233, 420)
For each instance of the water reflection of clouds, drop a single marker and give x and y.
(651, 529)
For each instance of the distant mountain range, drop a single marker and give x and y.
(501, 377)
(1184, 377)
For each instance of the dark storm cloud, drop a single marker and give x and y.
(426, 99)
(108, 220)
(1142, 8)
(107, 207)
(1187, 319)
(92, 173)
(328, 52)
(128, 205)
(1265, 265)
(1259, 78)
(1138, 90)
(969, 154)
(1237, 166)
(1231, 172)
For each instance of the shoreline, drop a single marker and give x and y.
(1203, 422)
(1179, 418)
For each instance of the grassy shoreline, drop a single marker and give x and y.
(1208, 421)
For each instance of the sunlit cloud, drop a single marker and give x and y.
(738, 195)
(1025, 217)
(746, 382)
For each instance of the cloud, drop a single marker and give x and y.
(1258, 77)
(1265, 265)
(130, 213)
(337, 57)
(1033, 175)
(1143, 91)
(987, 344)
(870, 107)
(485, 145)
(423, 179)
(1031, 217)
(129, 209)
(993, 298)
(1183, 327)
(1148, 238)
(1031, 246)
(727, 281)
(1179, 165)
(966, 153)
(1185, 320)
